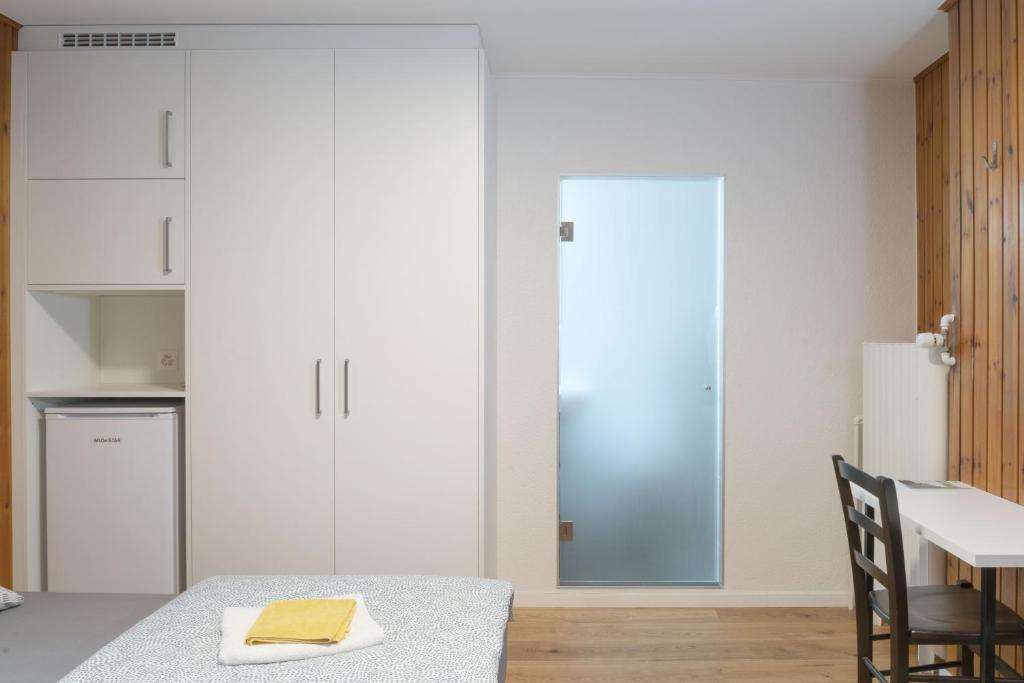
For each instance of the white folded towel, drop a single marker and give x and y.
(236, 622)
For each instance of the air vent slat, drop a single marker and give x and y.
(153, 39)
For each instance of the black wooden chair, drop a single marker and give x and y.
(918, 615)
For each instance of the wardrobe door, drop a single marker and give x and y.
(261, 312)
(106, 114)
(407, 305)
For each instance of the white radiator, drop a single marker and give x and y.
(905, 412)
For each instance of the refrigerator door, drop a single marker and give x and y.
(112, 501)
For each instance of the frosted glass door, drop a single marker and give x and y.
(640, 381)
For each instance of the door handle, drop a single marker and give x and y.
(168, 138)
(167, 245)
(319, 410)
(345, 391)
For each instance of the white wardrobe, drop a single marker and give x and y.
(318, 200)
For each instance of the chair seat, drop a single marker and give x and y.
(949, 614)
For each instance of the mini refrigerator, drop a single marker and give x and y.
(113, 499)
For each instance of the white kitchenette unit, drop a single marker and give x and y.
(287, 231)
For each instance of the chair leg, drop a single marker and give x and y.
(899, 657)
(967, 657)
(865, 646)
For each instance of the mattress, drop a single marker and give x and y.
(436, 630)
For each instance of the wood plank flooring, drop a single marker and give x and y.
(795, 645)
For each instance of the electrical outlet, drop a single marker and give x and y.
(167, 361)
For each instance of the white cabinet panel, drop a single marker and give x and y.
(106, 114)
(408, 298)
(106, 232)
(261, 291)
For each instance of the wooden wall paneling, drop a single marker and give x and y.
(1011, 255)
(1010, 284)
(986, 255)
(966, 341)
(944, 303)
(932, 101)
(1013, 198)
(941, 164)
(927, 199)
(922, 222)
(954, 248)
(994, 227)
(940, 169)
(932, 123)
(994, 271)
(979, 76)
(936, 113)
(8, 43)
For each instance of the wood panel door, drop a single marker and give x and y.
(106, 114)
(106, 232)
(408, 300)
(261, 300)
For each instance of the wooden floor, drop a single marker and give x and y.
(655, 645)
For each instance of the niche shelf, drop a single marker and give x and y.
(111, 391)
(108, 289)
(104, 343)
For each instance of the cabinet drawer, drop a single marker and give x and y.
(106, 114)
(106, 232)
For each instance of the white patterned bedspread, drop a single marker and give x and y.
(436, 630)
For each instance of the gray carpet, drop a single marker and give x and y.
(52, 633)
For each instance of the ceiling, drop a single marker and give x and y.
(761, 38)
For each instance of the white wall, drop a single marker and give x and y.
(819, 256)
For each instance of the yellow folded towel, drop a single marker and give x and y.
(302, 621)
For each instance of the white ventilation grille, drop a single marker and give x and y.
(144, 39)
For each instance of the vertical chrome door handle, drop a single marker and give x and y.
(319, 411)
(345, 391)
(169, 138)
(167, 245)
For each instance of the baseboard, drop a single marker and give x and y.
(676, 597)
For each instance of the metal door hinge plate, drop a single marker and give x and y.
(565, 531)
(565, 231)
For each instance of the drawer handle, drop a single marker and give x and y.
(167, 246)
(169, 138)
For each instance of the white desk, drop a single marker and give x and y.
(981, 529)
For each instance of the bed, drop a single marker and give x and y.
(437, 630)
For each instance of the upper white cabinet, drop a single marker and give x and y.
(262, 318)
(408, 306)
(106, 114)
(106, 232)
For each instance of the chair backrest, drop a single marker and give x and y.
(886, 531)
